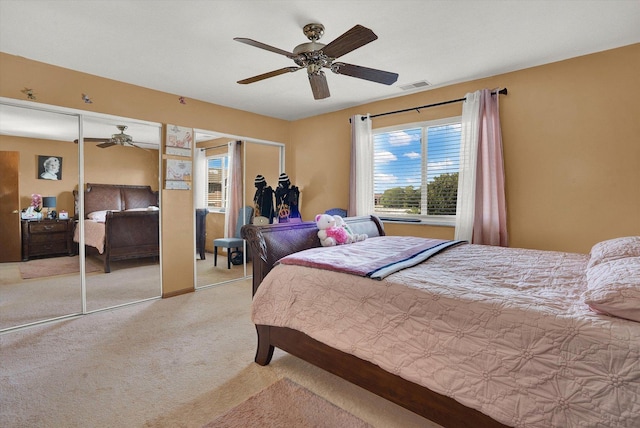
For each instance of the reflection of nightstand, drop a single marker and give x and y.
(46, 238)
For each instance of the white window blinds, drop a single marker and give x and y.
(416, 170)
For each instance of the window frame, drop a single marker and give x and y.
(426, 219)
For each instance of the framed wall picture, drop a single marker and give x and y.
(49, 167)
(179, 141)
(178, 174)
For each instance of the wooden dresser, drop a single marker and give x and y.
(45, 238)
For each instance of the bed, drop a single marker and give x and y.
(472, 336)
(121, 222)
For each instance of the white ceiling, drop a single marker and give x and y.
(187, 48)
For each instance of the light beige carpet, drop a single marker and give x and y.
(52, 266)
(166, 363)
(286, 404)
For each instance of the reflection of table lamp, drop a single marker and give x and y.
(49, 202)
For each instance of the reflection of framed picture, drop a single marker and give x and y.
(178, 174)
(179, 141)
(49, 167)
(178, 170)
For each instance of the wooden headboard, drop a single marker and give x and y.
(101, 197)
(269, 243)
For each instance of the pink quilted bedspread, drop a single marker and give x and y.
(93, 234)
(505, 331)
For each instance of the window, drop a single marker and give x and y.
(416, 171)
(217, 168)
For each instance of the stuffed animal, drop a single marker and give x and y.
(353, 237)
(329, 233)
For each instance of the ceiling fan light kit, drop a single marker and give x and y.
(314, 56)
(121, 138)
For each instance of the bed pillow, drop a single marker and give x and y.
(99, 216)
(613, 249)
(613, 288)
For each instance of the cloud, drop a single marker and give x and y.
(384, 156)
(385, 179)
(401, 138)
(412, 155)
(444, 165)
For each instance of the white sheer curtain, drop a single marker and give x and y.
(482, 214)
(200, 178)
(234, 188)
(468, 162)
(361, 172)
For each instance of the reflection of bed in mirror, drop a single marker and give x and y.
(121, 221)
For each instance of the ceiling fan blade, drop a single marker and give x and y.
(94, 140)
(139, 147)
(353, 39)
(319, 85)
(106, 144)
(264, 46)
(268, 75)
(379, 76)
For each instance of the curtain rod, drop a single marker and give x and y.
(502, 91)
(204, 149)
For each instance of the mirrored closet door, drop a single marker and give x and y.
(259, 159)
(46, 270)
(121, 216)
(39, 267)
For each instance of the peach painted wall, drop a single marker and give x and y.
(571, 149)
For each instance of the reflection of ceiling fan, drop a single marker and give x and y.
(120, 139)
(315, 56)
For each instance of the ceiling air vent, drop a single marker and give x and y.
(416, 85)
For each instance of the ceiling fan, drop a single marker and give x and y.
(315, 56)
(120, 139)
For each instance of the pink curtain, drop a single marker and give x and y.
(490, 214)
(234, 189)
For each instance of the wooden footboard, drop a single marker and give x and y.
(268, 244)
(131, 235)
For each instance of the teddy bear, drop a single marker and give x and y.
(329, 233)
(353, 237)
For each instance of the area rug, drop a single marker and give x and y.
(56, 266)
(286, 404)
